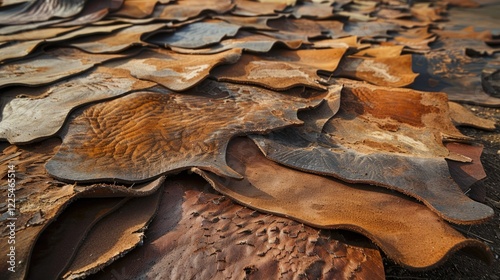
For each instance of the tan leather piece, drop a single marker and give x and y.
(50, 66)
(270, 70)
(136, 8)
(383, 51)
(40, 199)
(114, 235)
(117, 41)
(312, 10)
(145, 134)
(200, 234)
(407, 231)
(376, 139)
(37, 34)
(381, 71)
(253, 8)
(462, 116)
(183, 10)
(175, 71)
(22, 107)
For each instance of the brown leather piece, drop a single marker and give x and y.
(269, 70)
(466, 174)
(183, 10)
(50, 66)
(365, 30)
(125, 139)
(252, 8)
(117, 41)
(313, 10)
(175, 71)
(246, 41)
(407, 231)
(40, 199)
(93, 11)
(376, 139)
(462, 116)
(200, 234)
(136, 8)
(453, 72)
(22, 107)
(259, 23)
(294, 27)
(37, 34)
(40, 10)
(196, 35)
(382, 71)
(24, 48)
(58, 243)
(114, 235)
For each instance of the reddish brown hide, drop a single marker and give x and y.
(407, 231)
(200, 234)
(145, 134)
(386, 137)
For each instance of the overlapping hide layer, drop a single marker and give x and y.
(466, 174)
(145, 134)
(40, 198)
(21, 49)
(407, 231)
(453, 72)
(203, 235)
(196, 35)
(24, 110)
(118, 41)
(252, 8)
(382, 71)
(40, 10)
(137, 8)
(280, 70)
(243, 40)
(386, 137)
(50, 66)
(58, 243)
(175, 71)
(461, 116)
(183, 10)
(114, 236)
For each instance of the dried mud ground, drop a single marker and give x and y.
(460, 266)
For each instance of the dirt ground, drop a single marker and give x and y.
(460, 266)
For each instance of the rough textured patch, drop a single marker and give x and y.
(196, 35)
(377, 139)
(462, 116)
(281, 70)
(145, 134)
(50, 66)
(114, 236)
(381, 71)
(118, 41)
(175, 71)
(370, 29)
(296, 27)
(40, 198)
(25, 110)
(202, 235)
(408, 232)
